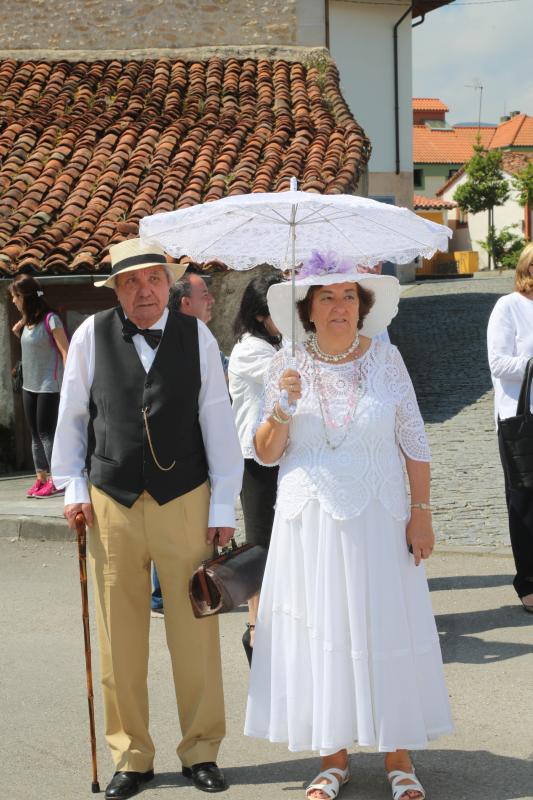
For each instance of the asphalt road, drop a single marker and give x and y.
(488, 651)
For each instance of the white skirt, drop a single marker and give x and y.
(346, 648)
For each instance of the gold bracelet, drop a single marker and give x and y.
(422, 506)
(276, 417)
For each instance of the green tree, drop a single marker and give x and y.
(504, 246)
(484, 189)
(523, 183)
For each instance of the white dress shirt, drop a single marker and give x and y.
(248, 365)
(510, 346)
(224, 458)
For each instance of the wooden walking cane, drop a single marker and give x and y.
(82, 539)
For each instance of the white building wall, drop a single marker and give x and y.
(511, 213)
(361, 42)
(432, 184)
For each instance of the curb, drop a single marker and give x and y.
(53, 529)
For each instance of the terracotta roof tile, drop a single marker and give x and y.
(87, 149)
(441, 146)
(421, 203)
(515, 162)
(428, 104)
(515, 132)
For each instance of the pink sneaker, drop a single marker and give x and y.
(47, 490)
(35, 488)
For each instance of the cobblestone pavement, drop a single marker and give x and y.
(441, 332)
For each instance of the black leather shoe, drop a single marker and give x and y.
(207, 777)
(126, 784)
(247, 643)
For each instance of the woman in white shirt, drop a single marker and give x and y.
(258, 339)
(510, 346)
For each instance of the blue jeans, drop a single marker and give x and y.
(157, 597)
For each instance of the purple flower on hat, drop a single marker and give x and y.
(324, 264)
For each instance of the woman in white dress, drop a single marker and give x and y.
(258, 340)
(346, 646)
(510, 346)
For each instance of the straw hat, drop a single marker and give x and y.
(132, 254)
(385, 288)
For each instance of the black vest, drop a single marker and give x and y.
(120, 461)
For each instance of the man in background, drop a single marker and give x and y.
(190, 295)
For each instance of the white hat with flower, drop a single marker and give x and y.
(325, 269)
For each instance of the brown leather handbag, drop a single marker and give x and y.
(227, 580)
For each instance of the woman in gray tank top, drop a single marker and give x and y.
(44, 349)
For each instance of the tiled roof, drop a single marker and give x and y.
(515, 162)
(429, 104)
(511, 163)
(516, 132)
(431, 203)
(435, 146)
(87, 149)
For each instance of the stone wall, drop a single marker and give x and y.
(126, 24)
(7, 444)
(227, 289)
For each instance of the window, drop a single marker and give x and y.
(418, 178)
(384, 198)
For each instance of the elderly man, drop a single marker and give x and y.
(145, 410)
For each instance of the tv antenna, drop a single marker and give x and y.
(478, 86)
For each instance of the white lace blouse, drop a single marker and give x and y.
(347, 436)
(248, 364)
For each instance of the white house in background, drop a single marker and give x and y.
(363, 39)
(469, 229)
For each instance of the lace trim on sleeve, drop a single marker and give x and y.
(277, 366)
(410, 432)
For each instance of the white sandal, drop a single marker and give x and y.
(335, 784)
(396, 775)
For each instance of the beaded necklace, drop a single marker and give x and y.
(353, 401)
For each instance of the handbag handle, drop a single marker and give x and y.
(216, 544)
(524, 399)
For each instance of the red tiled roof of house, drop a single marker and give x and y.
(515, 132)
(429, 104)
(455, 146)
(515, 162)
(87, 149)
(421, 203)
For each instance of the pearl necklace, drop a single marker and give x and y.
(331, 358)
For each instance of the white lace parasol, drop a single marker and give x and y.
(283, 228)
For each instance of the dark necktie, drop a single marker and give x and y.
(129, 330)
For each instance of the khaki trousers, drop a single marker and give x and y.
(122, 543)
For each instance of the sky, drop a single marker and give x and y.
(476, 41)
